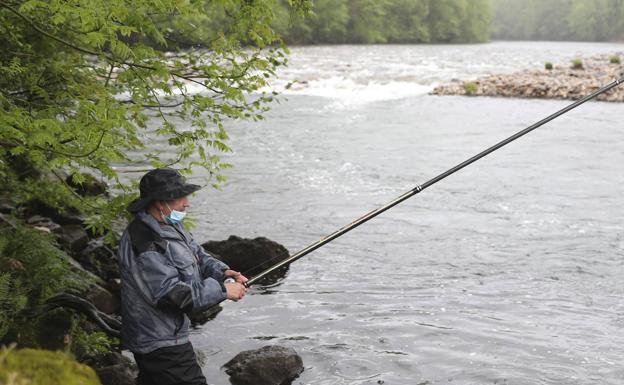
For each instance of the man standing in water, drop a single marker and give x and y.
(166, 275)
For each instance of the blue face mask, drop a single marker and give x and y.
(174, 216)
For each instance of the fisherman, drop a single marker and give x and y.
(166, 275)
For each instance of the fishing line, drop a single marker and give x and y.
(419, 188)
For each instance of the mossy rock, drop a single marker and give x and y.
(43, 367)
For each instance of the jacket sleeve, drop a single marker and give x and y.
(168, 289)
(209, 266)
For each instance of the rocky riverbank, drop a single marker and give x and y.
(95, 263)
(571, 80)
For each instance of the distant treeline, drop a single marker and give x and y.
(410, 21)
(388, 21)
(580, 20)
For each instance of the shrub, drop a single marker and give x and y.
(91, 345)
(615, 59)
(33, 269)
(577, 64)
(548, 65)
(470, 88)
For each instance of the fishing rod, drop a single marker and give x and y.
(372, 214)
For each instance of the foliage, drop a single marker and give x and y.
(470, 88)
(366, 21)
(11, 303)
(91, 346)
(42, 367)
(406, 22)
(585, 20)
(577, 64)
(86, 86)
(615, 59)
(469, 24)
(390, 21)
(33, 269)
(548, 65)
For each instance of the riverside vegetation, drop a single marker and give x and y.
(554, 20)
(430, 21)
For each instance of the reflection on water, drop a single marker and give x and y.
(508, 272)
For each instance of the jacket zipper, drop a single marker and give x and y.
(177, 329)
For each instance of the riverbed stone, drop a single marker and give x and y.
(250, 256)
(562, 82)
(269, 365)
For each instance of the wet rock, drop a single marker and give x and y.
(100, 259)
(116, 369)
(198, 319)
(250, 256)
(269, 365)
(116, 375)
(91, 186)
(74, 238)
(102, 299)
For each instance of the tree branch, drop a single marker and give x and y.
(110, 73)
(72, 191)
(109, 324)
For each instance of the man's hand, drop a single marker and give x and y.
(235, 291)
(238, 277)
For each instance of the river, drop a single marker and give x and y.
(508, 272)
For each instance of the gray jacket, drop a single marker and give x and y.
(164, 275)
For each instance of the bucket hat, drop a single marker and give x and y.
(161, 184)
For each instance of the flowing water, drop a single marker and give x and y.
(508, 272)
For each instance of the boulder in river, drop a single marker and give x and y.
(250, 256)
(269, 365)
